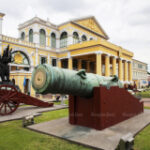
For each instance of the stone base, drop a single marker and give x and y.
(107, 107)
(106, 139)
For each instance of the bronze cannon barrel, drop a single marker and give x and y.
(47, 79)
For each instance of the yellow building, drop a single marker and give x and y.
(76, 44)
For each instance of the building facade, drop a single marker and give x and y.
(76, 44)
(140, 73)
(148, 78)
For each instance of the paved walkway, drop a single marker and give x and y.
(146, 102)
(29, 110)
(106, 139)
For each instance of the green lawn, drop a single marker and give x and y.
(14, 137)
(146, 107)
(59, 102)
(47, 116)
(142, 140)
(144, 94)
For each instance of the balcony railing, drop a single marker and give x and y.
(15, 40)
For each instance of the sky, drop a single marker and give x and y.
(126, 22)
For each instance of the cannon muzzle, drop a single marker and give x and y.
(47, 79)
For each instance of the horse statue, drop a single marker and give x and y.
(5, 59)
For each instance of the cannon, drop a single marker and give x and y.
(11, 97)
(94, 101)
(10, 94)
(47, 79)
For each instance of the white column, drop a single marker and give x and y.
(36, 34)
(58, 43)
(70, 39)
(57, 40)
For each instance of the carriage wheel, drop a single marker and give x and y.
(8, 99)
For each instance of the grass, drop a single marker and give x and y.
(144, 94)
(15, 137)
(47, 116)
(145, 107)
(142, 140)
(59, 102)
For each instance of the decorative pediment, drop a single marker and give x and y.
(91, 24)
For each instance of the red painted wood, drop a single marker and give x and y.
(7, 103)
(10, 99)
(104, 109)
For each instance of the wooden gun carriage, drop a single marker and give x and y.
(11, 97)
(10, 94)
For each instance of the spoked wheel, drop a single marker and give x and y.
(8, 99)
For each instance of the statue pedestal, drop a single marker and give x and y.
(106, 108)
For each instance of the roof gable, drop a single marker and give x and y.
(91, 24)
(36, 20)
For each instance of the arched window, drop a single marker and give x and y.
(75, 38)
(63, 40)
(22, 36)
(84, 38)
(53, 40)
(42, 37)
(30, 35)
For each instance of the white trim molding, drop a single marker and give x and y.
(98, 52)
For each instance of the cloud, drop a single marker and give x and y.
(125, 21)
(63, 6)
